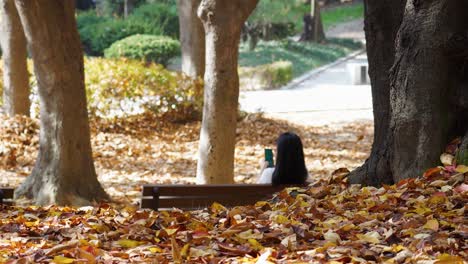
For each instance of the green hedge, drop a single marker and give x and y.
(148, 48)
(99, 32)
(158, 19)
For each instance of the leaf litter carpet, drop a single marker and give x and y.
(415, 221)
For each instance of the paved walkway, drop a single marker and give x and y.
(325, 96)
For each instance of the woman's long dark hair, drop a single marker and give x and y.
(290, 165)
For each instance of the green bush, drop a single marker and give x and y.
(149, 48)
(158, 19)
(99, 32)
(87, 23)
(101, 36)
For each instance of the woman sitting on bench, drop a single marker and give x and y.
(290, 165)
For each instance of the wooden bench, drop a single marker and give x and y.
(194, 197)
(6, 195)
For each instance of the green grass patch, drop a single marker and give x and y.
(303, 56)
(342, 14)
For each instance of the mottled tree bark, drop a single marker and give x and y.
(192, 38)
(222, 21)
(428, 72)
(15, 71)
(382, 21)
(64, 172)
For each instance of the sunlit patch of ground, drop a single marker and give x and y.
(141, 150)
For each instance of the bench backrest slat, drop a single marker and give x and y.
(189, 197)
(6, 195)
(219, 189)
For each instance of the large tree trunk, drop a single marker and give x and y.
(192, 38)
(15, 71)
(382, 21)
(222, 21)
(429, 70)
(64, 173)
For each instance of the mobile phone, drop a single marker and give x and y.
(269, 158)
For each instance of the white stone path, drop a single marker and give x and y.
(325, 97)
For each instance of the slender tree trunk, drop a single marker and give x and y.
(192, 38)
(64, 173)
(382, 21)
(313, 26)
(128, 7)
(426, 74)
(222, 21)
(15, 71)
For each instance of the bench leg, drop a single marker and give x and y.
(155, 199)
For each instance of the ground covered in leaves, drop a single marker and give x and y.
(415, 221)
(134, 151)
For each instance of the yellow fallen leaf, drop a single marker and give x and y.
(422, 210)
(176, 256)
(255, 244)
(348, 227)
(185, 250)
(281, 219)
(448, 259)
(437, 198)
(462, 169)
(217, 207)
(127, 243)
(63, 260)
(432, 224)
(171, 231)
(155, 250)
(249, 234)
(370, 237)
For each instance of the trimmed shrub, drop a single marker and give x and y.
(149, 48)
(101, 36)
(88, 23)
(268, 76)
(100, 32)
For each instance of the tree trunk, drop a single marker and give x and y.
(15, 71)
(192, 38)
(313, 26)
(382, 21)
(128, 7)
(64, 172)
(222, 21)
(429, 70)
